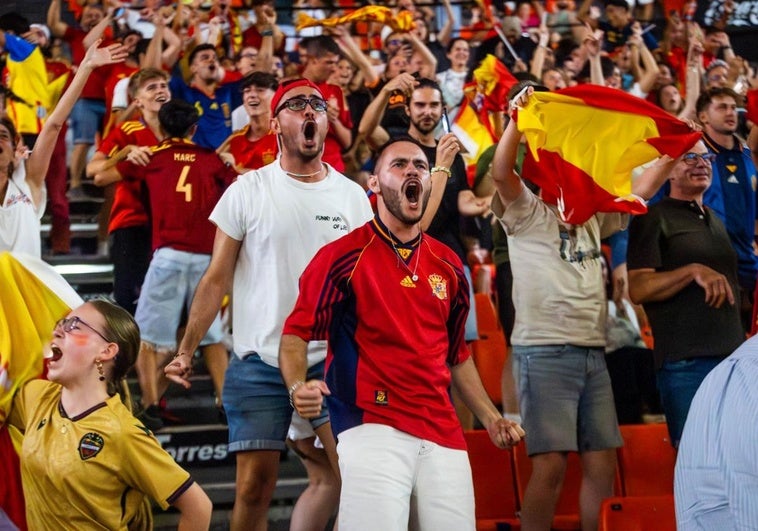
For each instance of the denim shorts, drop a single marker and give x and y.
(87, 120)
(678, 381)
(166, 296)
(565, 398)
(257, 404)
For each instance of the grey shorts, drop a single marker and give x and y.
(565, 399)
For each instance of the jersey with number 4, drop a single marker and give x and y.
(184, 181)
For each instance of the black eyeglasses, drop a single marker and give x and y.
(691, 158)
(72, 323)
(298, 103)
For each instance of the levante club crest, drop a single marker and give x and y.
(90, 445)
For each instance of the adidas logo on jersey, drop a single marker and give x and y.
(407, 282)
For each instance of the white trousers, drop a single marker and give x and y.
(393, 481)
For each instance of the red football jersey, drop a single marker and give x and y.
(128, 208)
(184, 181)
(252, 155)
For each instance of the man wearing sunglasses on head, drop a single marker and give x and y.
(683, 270)
(270, 223)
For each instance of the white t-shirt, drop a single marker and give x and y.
(20, 218)
(121, 94)
(282, 223)
(239, 118)
(558, 289)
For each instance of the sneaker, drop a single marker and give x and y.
(150, 417)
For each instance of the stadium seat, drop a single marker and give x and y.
(638, 513)
(489, 351)
(494, 487)
(646, 460)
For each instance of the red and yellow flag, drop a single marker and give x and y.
(403, 21)
(473, 134)
(584, 142)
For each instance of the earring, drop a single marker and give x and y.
(100, 371)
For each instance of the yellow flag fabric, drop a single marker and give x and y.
(32, 298)
(403, 21)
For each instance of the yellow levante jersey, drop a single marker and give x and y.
(92, 471)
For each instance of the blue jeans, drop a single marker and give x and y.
(678, 381)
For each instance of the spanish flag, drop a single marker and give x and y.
(32, 299)
(584, 142)
(474, 135)
(403, 21)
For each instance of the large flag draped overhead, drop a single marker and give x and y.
(584, 142)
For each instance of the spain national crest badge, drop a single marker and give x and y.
(90, 445)
(439, 286)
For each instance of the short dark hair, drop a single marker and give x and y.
(200, 48)
(177, 117)
(617, 3)
(425, 82)
(14, 22)
(395, 140)
(319, 46)
(260, 80)
(706, 97)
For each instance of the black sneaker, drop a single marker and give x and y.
(151, 418)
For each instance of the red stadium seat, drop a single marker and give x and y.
(494, 486)
(489, 351)
(638, 513)
(646, 460)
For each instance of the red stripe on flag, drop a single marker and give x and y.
(575, 192)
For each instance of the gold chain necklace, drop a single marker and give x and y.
(414, 276)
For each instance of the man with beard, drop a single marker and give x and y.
(270, 223)
(206, 92)
(451, 198)
(392, 301)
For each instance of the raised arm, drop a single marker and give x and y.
(428, 60)
(640, 51)
(54, 22)
(693, 80)
(447, 148)
(39, 160)
(369, 127)
(356, 55)
(96, 33)
(446, 31)
(507, 181)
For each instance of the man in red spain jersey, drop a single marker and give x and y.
(392, 303)
(184, 182)
(255, 145)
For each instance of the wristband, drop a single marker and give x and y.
(267, 33)
(294, 388)
(443, 169)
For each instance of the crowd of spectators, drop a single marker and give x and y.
(380, 80)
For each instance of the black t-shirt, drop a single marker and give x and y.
(446, 224)
(672, 234)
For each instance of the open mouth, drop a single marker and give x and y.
(54, 354)
(412, 191)
(309, 130)
(161, 99)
